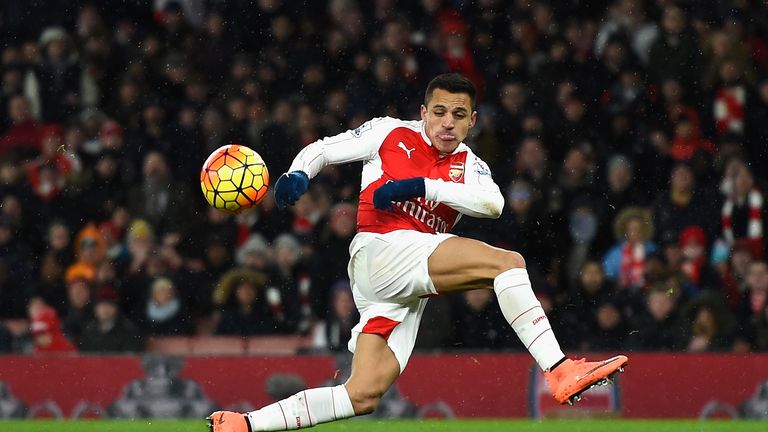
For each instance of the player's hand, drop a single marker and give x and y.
(399, 190)
(290, 187)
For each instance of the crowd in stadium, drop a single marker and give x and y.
(628, 138)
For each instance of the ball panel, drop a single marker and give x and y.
(245, 200)
(225, 172)
(216, 163)
(265, 175)
(229, 196)
(258, 182)
(233, 207)
(260, 194)
(237, 175)
(213, 178)
(257, 169)
(218, 202)
(226, 186)
(247, 178)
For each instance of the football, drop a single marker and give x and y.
(234, 178)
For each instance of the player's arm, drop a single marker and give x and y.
(478, 196)
(353, 145)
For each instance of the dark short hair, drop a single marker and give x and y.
(453, 83)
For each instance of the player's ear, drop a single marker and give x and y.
(423, 111)
(473, 118)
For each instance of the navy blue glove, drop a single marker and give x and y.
(399, 190)
(290, 187)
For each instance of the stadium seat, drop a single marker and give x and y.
(218, 345)
(276, 345)
(178, 345)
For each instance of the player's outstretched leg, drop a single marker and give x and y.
(302, 410)
(459, 264)
(567, 379)
(374, 369)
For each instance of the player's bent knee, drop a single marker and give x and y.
(365, 401)
(510, 260)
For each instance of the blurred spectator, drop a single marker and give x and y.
(164, 312)
(125, 108)
(138, 269)
(682, 205)
(109, 331)
(17, 258)
(628, 17)
(90, 249)
(675, 54)
(45, 327)
(331, 259)
(249, 313)
(743, 216)
(521, 226)
(57, 257)
(621, 191)
(730, 100)
(479, 323)
(293, 283)
(720, 260)
(78, 309)
(11, 84)
(581, 311)
(23, 135)
(531, 164)
(612, 328)
(56, 84)
(55, 167)
(658, 327)
(695, 264)
(514, 104)
(688, 141)
(342, 317)
(711, 327)
(105, 190)
(754, 306)
(724, 51)
(159, 197)
(623, 263)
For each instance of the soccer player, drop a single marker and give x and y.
(418, 179)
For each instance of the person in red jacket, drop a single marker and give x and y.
(45, 327)
(25, 132)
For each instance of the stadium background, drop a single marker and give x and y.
(628, 137)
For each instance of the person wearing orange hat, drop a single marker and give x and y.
(79, 279)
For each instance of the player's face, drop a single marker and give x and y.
(447, 119)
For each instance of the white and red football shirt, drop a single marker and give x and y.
(393, 149)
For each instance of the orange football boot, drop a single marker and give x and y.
(228, 421)
(571, 378)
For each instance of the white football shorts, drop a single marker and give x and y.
(390, 284)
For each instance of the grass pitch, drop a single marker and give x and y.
(405, 426)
